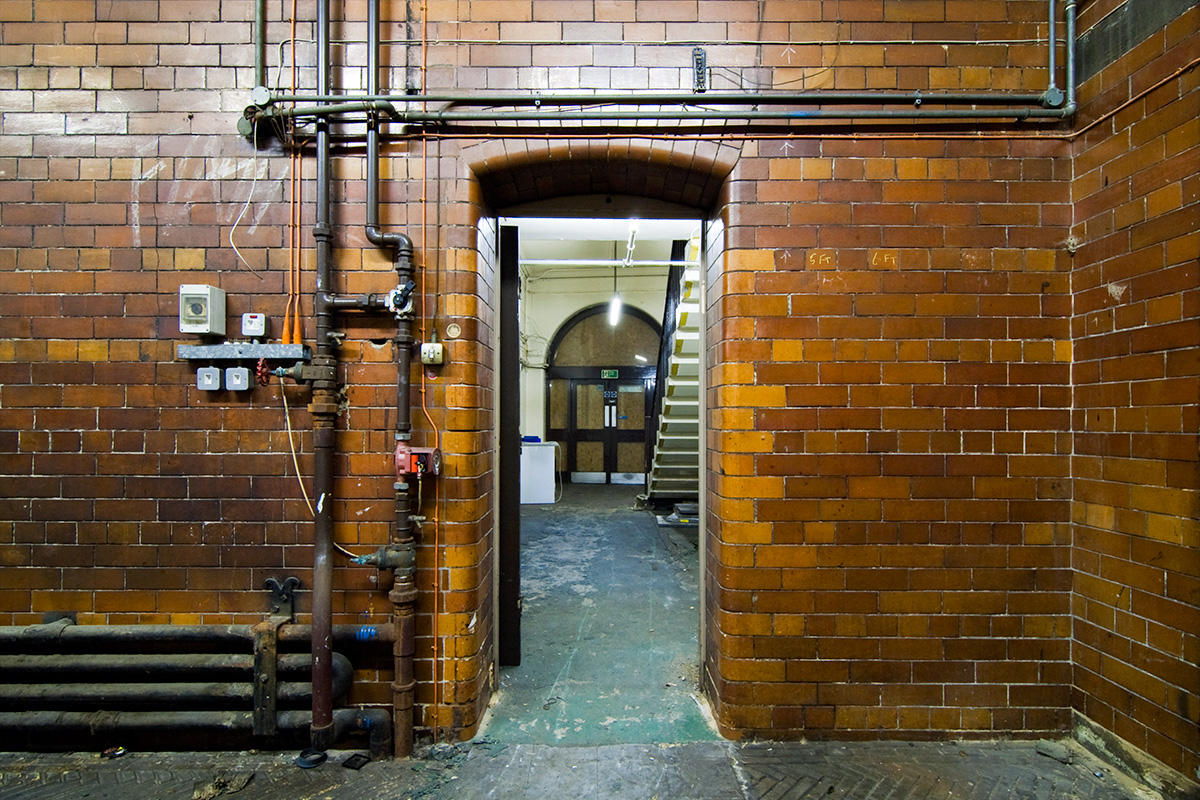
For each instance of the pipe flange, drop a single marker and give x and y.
(1053, 98)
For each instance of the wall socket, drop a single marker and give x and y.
(237, 379)
(209, 379)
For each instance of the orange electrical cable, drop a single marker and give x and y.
(437, 498)
(296, 334)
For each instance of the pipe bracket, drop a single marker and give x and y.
(283, 596)
(266, 677)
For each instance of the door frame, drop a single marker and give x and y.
(505, 338)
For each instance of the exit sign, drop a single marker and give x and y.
(608, 373)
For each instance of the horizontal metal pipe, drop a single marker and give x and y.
(66, 694)
(670, 98)
(67, 726)
(418, 117)
(162, 691)
(602, 262)
(104, 664)
(336, 108)
(13, 637)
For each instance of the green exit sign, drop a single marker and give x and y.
(608, 373)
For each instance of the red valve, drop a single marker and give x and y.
(416, 461)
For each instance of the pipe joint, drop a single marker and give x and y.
(399, 300)
(307, 373)
(1053, 97)
(399, 243)
(400, 558)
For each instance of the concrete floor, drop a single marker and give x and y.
(604, 705)
(609, 627)
(490, 769)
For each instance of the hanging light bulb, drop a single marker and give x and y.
(614, 308)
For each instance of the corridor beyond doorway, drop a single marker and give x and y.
(609, 626)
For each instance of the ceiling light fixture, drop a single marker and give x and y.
(614, 308)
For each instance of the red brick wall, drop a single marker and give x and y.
(892, 342)
(1136, 279)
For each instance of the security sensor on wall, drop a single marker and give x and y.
(201, 309)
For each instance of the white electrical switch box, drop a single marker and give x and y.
(201, 309)
(209, 379)
(237, 379)
(254, 325)
(433, 353)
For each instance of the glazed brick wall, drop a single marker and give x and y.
(891, 398)
(892, 348)
(1136, 278)
(130, 496)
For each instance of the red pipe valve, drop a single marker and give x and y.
(417, 461)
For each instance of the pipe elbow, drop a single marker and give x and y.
(377, 723)
(343, 676)
(400, 243)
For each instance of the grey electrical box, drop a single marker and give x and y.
(209, 379)
(237, 379)
(201, 309)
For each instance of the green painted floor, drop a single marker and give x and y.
(609, 623)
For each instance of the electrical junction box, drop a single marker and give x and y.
(237, 379)
(201, 309)
(254, 325)
(433, 353)
(209, 379)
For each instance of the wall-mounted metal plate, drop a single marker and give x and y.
(243, 351)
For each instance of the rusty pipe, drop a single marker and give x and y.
(324, 415)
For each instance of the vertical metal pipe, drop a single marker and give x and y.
(1053, 36)
(403, 595)
(260, 42)
(1069, 108)
(324, 412)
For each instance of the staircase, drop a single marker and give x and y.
(675, 465)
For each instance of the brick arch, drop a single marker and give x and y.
(689, 172)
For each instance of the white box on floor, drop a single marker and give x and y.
(537, 472)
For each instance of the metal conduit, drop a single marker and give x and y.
(1051, 103)
(419, 117)
(884, 97)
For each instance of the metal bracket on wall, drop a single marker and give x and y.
(283, 596)
(266, 654)
(243, 351)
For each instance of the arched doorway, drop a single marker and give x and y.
(572, 178)
(600, 378)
